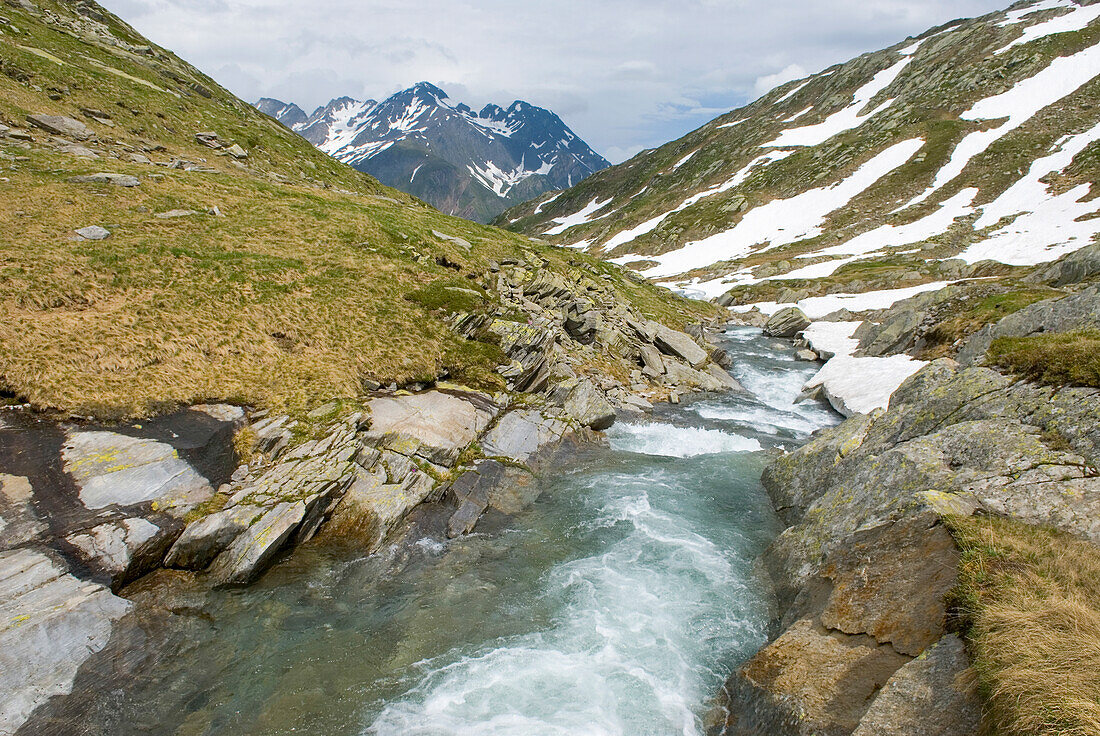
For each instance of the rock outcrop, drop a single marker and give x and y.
(863, 569)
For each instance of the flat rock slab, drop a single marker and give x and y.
(520, 434)
(679, 344)
(19, 522)
(121, 180)
(434, 425)
(93, 232)
(50, 623)
(61, 125)
(112, 469)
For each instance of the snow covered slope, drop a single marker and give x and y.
(974, 142)
(472, 164)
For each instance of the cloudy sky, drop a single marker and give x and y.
(624, 74)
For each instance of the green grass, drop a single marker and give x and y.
(1056, 359)
(316, 279)
(971, 317)
(1028, 603)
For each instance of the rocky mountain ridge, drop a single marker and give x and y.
(466, 163)
(974, 141)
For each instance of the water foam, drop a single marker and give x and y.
(667, 440)
(636, 642)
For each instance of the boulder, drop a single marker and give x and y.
(680, 345)
(209, 139)
(173, 214)
(61, 125)
(93, 232)
(123, 550)
(930, 696)
(434, 425)
(461, 242)
(236, 151)
(255, 548)
(522, 433)
(50, 623)
(806, 355)
(651, 359)
(113, 469)
(686, 378)
(206, 538)
(121, 180)
(588, 406)
(786, 323)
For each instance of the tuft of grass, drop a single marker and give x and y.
(1028, 602)
(1056, 359)
(987, 310)
(244, 445)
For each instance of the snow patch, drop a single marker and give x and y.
(816, 307)
(1045, 226)
(579, 218)
(1064, 76)
(846, 119)
(1075, 20)
(782, 221)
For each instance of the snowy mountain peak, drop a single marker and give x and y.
(473, 165)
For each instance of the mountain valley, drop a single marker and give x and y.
(465, 163)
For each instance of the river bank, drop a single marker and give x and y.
(621, 597)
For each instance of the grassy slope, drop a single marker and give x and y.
(947, 75)
(295, 295)
(1029, 602)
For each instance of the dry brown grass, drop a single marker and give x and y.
(293, 298)
(1029, 600)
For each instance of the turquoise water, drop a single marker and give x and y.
(616, 605)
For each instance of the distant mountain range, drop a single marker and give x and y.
(471, 164)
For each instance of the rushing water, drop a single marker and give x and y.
(616, 605)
